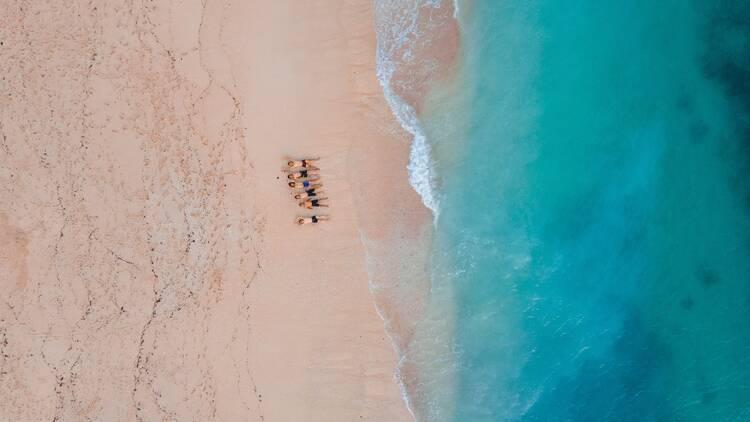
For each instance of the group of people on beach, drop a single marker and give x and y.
(304, 180)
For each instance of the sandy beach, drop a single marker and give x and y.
(151, 270)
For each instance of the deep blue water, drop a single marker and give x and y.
(595, 211)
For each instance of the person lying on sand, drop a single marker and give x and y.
(311, 186)
(304, 184)
(305, 162)
(307, 194)
(310, 203)
(302, 174)
(311, 220)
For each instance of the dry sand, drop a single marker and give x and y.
(149, 265)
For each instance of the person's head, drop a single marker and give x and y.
(292, 184)
(290, 163)
(290, 176)
(298, 196)
(302, 204)
(300, 221)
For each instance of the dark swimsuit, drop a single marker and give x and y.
(314, 202)
(314, 219)
(303, 173)
(311, 192)
(306, 183)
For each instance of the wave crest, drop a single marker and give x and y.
(397, 31)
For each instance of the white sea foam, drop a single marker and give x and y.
(396, 27)
(397, 31)
(370, 267)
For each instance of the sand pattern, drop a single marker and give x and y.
(116, 229)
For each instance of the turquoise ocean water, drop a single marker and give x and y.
(592, 164)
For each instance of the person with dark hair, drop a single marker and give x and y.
(305, 162)
(303, 184)
(309, 193)
(313, 203)
(303, 174)
(311, 220)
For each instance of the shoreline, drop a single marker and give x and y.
(418, 46)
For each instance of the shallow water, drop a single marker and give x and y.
(594, 230)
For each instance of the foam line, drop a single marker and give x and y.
(396, 27)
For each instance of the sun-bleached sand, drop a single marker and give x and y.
(150, 266)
